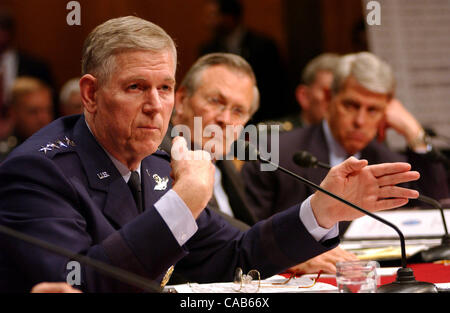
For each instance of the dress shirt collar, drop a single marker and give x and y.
(337, 153)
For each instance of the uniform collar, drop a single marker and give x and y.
(122, 168)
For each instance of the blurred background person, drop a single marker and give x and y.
(229, 34)
(361, 105)
(316, 80)
(31, 109)
(221, 89)
(15, 63)
(70, 98)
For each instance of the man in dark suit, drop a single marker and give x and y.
(31, 109)
(14, 63)
(96, 184)
(214, 80)
(359, 108)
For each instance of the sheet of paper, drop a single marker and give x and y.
(412, 223)
(392, 252)
(300, 284)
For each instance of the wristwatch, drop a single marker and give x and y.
(421, 144)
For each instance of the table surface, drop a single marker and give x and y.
(425, 272)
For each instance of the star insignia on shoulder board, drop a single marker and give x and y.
(66, 142)
(45, 149)
(61, 144)
(69, 142)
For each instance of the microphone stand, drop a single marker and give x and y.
(441, 252)
(405, 282)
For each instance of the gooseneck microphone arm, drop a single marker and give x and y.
(435, 204)
(405, 281)
(442, 252)
(102, 267)
(317, 187)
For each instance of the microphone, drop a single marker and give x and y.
(405, 277)
(432, 133)
(306, 159)
(102, 267)
(441, 252)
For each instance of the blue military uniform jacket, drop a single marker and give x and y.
(60, 186)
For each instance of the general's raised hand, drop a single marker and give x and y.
(401, 120)
(193, 174)
(371, 187)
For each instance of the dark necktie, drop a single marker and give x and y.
(135, 186)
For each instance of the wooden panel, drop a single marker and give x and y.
(42, 29)
(338, 19)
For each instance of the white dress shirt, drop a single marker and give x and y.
(220, 194)
(337, 153)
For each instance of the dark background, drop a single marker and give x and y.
(301, 28)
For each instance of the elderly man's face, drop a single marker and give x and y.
(354, 115)
(133, 108)
(223, 97)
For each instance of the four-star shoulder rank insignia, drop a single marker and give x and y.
(161, 183)
(66, 142)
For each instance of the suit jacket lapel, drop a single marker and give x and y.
(234, 188)
(118, 203)
(319, 148)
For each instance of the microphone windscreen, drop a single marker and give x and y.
(304, 159)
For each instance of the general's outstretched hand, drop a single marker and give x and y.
(371, 187)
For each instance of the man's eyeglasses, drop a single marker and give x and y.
(250, 282)
(237, 112)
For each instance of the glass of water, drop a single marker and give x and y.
(357, 276)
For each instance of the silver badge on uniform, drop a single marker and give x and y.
(102, 175)
(161, 183)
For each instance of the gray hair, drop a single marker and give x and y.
(369, 71)
(118, 35)
(71, 86)
(323, 62)
(232, 61)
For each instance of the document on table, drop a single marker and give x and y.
(412, 223)
(269, 285)
(273, 284)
